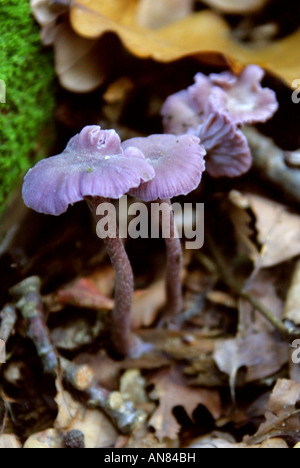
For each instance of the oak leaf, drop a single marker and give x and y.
(171, 390)
(203, 33)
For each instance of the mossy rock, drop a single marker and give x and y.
(27, 69)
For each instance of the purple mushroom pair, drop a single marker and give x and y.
(214, 109)
(96, 167)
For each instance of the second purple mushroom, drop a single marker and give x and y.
(178, 162)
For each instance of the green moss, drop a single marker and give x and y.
(27, 70)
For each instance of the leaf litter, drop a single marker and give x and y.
(210, 375)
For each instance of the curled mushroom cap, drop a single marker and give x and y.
(228, 153)
(93, 165)
(214, 108)
(180, 114)
(178, 162)
(244, 98)
(241, 96)
(227, 148)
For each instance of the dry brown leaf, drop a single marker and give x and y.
(9, 441)
(104, 280)
(262, 287)
(147, 305)
(82, 65)
(219, 440)
(105, 369)
(236, 6)
(47, 13)
(261, 354)
(49, 439)
(84, 294)
(98, 431)
(292, 306)
(282, 417)
(278, 229)
(204, 33)
(241, 220)
(172, 390)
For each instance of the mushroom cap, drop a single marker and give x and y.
(244, 98)
(93, 165)
(227, 148)
(214, 108)
(180, 114)
(178, 162)
(228, 153)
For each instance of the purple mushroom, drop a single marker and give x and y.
(178, 163)
(214, 108)
(94, 167)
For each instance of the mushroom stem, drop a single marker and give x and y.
(121, 332)
(174, 265)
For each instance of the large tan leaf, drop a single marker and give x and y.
(203, 33)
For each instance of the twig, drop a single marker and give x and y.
(29, 302)
(8, 318)
(122, 412)
(270, 162)
(288, 332)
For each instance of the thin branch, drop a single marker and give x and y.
(288, 332)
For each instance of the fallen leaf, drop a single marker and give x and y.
(105, 369)
(104, 279)
(262, 286)
(278, 230)
(292, 306)
(82, 65)
(9, 441)
(219, 440)
(98, 431)
(84, 294)
(48, 439)
(203, 33)
(261, 354)
(172, 390)
(147, 304)
(47, 14)
(282, 417)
